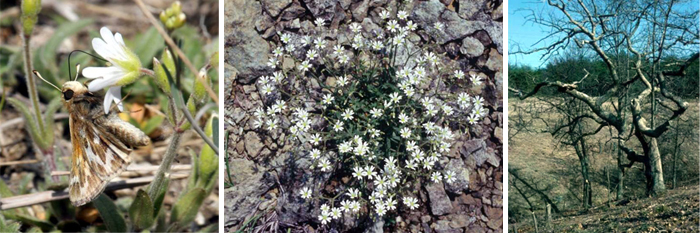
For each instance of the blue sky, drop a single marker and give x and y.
(525, 34)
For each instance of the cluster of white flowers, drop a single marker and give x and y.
(410, 119)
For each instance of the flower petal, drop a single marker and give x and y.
(99, 72)
(113, 94)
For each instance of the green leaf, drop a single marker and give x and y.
(186, 208)
(152, 124)
(141, 211)
(160, 195)
(29, 220)
(147, 45)
(113, 220)
(8, 226)
(208, 161)
(31, 123)
(161, 225)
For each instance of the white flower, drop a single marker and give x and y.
(342, 81)
(325, 165)
(402, 15)
(347, 115)
(411, 26)
(403, 119)
(315, 139)
(377, 45)
(285, 38)
(272, 62)
(278, 76)
(305, 193)
(472, 119)
(272, 124)
(373, 133)
(336, 213)
(459, 74)
(450, 177)
(478, 111)
(315, 154)
(355, 206)
(319, 22)
(439, 26)
(125, 69)
(343, 59)
(410, 202)
(278, 52)
(430, 56)
(392, 26)
(395, 97)
(306, 40)
(345, 147)
(338, 50)
(463, 100)
(390, 204)
(355, 27)
(384, 14)
(376, 113)
(447, 109)
(405, 132)
(305, 66)
(478, 101)
(320, 43)
(354, 193)
(324, 218)
(380, 209)
(357, 173)
(345, 206)
(327, 99)
(436, 177)
(311, 54)
(267, 89)
(475, 79)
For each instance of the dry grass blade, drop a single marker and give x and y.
(47, 196)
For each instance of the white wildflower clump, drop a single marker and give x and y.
(355, 107)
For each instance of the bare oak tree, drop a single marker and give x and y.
(647, 32)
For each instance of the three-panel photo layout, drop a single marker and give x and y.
(303, 116)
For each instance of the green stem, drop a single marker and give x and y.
(170, 154)
(31, 82)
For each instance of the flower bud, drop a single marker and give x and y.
(30, 12)
(161, 77)
(173, 17)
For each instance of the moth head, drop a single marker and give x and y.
(73, 88)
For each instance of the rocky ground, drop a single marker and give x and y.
(266, 177)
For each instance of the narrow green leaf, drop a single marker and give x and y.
(113, 220)
(160, 195)
(152, 124)
(141, 211)
(29, 220)
(186, 208)
(31, 123)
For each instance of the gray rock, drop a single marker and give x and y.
(439, 202)
(471, 47)
(443, 226)
(247, 51)
(274, 7)
(237, 114)
(461, 182)
(376, 227)
(471, 9)
(359, 10)
(242, 199)
(495, 62)
(293, 12)
(426, 13)
(461, 220)
(325, 9)
(253, 144)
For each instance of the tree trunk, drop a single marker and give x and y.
(657, 173)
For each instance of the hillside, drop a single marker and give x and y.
(677, 211)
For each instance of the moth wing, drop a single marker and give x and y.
(98, 157)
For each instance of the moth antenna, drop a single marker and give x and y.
(77, 71)
(42, 78)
